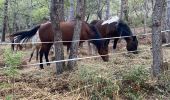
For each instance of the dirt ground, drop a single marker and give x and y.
(33, 83)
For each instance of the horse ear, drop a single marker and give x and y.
(134, 38)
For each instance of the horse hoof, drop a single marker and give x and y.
(48, 64)
(41, 67)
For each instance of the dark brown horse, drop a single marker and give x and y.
(46, 34)
(117, 29)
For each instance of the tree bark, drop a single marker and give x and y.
(30, 15)
(56, 15)
(164, 24)
(14, 24)
(100, 9)
(5, 21)
(84, 11)
(124, 10)
(107, 9)
(145, 15)
(71, 15)
(156, 38)
(168, 20)
(76, 35)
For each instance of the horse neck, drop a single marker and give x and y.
(98, 43)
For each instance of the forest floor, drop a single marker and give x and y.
(88, 78)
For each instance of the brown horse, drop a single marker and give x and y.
(46, 34)
(116, 29)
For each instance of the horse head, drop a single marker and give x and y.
(101, 45)
(124, 30)
(132, 45)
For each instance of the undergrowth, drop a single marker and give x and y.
(98, 83)
(12, 62)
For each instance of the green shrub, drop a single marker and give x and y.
(138, 75)
(12, 61)
(94, 81)
(164, 81)
(134, 81)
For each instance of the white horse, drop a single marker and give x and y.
(36, 45)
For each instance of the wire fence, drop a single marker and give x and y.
(89, 57)
(8, 43)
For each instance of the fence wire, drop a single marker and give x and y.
(8, 43)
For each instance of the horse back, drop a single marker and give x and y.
(46, 33)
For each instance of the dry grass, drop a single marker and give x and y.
(43, 84)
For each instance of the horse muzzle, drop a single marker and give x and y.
(105, 58)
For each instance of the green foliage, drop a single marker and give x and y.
(4, 85)
(134, 96)
(39, 14)
(133, 82)
(164, 81)
(138, 75)
(9, 97)
(12, 61)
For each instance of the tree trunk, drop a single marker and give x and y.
(30, 15)
(5, 21)
(56, 15)
(145, 15)
(99, 12)
(124, 10)
(84, 11)
(71, 15)
(156, 38)
(168, 20)
(76, 35)
(164, 24)
(107, 9)
(14, 24)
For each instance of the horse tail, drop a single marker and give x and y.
(25, 35)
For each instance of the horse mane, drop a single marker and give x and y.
(123, 28)
(97, 35)
(94, 22)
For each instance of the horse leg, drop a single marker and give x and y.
(46, 57)
(68, 48)
(31, 56)
(37, 52)
(20, 47)
(47, 53)
(115, 43)
(41, 57)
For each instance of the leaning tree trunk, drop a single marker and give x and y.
(156, 38)
(76, 35)
(5, 20)
(124, 10)
(107, 9)
(56, 15)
